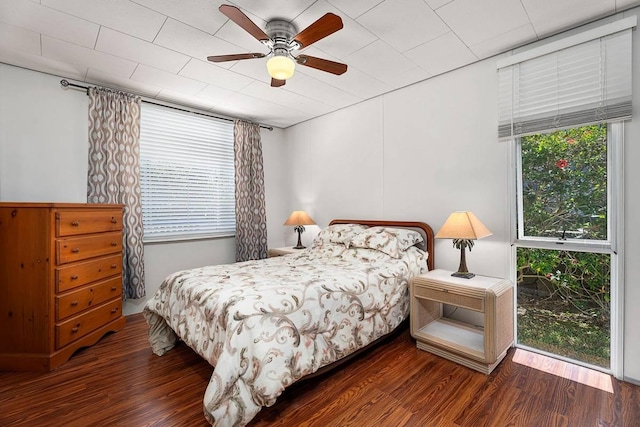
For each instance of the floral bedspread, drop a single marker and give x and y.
(265, 324)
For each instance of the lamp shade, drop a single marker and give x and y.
(299, 218)
(463, 225)
(280, 67)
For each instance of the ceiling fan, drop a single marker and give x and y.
(281, 39)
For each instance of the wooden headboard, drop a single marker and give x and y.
(421, 227)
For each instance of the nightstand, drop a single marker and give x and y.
(282, 251)
(477, 347)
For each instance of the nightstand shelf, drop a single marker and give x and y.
(477, 347)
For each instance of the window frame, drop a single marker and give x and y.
(172, 235)
(612, 246)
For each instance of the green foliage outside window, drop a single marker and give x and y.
(564, 296)
(564, 180)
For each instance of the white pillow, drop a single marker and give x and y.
(338, 233)
(391, 241)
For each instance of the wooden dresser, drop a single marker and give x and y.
(60, 281)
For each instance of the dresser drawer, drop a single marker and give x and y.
(447, 297)
(78, 274)
(79, 326)
(73, 223)
(89, 296)
(85, 247)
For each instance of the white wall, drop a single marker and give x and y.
(415, 154)
(43, 138)
(43, 158)
(424, 151)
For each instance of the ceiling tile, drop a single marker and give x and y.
(353, 81)
(63, 69)
(445, 53)
(380, 61)
(254, 68)
(201, 14)
(343, 42)
(476, 21)
(121, 15)
(134, 49)
(212, 74)
(283, 97)
(322, 92)
(248, 107)
(282, 9)
(435, 4)
(99, 77)
(158, 48)
(88, 58)
(505, 41)
(624, 4)
(551, 16)
(411, 76)
(169, 95)
(167, 80)
(191, 41)
(234, 34)
(353, 9)
(404, 24)
(19, 40)
(33, 17)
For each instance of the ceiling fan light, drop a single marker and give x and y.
(280, 67)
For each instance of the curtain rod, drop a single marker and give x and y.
(66, 83)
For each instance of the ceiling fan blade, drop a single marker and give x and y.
(277, 83)
(322, 64)
(236, 57)
(328, 24)
(243, 21)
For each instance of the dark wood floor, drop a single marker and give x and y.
(119, 382)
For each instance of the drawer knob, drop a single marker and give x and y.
(75, 250)
(74, 277)
(74, 303)
(75, 223)
(114, 309)
(113, 288)
(114, 243)
(75, 328)
(114, 221)
(114, 265)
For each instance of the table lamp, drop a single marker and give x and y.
(463, 227)
(299, 219)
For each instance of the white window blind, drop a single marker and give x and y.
(584, 83)
(187, 175)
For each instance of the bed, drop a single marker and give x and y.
(266, 324)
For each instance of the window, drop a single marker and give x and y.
(565, 242)
(186, 174)
(562, 106)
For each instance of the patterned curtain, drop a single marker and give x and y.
(251, 215)
(114, 173)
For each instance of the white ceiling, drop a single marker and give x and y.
(158, 48)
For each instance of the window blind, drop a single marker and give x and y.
(584, 83)
(187, 175)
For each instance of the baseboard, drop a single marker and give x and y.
(631, 380)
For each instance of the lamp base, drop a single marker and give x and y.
(299, 229)
(463, 275)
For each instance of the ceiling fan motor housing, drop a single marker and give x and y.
(281, 34)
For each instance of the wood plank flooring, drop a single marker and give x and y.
(119, 382)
